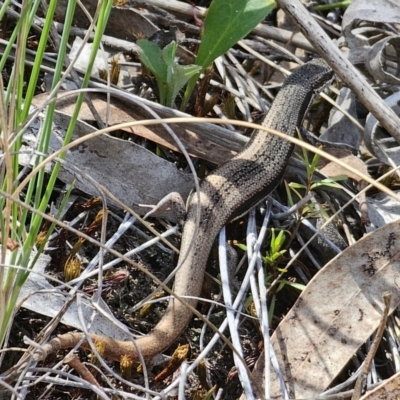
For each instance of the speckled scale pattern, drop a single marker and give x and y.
(234, 186)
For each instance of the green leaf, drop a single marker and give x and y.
(241, 246)
(168, 54)
(228, 21)
(294, 285)
(330, 182)
(289, 194)
(338, 178)
(295, 185)
(178, 75)
(314, 163)
(171, 77)
(277, 241)
(151, 57)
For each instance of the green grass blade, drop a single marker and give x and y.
(36, 220)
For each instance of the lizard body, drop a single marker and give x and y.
(227, 192)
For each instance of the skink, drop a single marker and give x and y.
(227, 192)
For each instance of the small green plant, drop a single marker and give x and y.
(311, 167)
(274, 274)
(276, 250)
(300, 189)
(226, 22)
(275, 281)
(171, 77)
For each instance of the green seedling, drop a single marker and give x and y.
(275, 252)
(171, 77)
(227, 22)
(311, 167)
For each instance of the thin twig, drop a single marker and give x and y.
(342, 66)
(361, 383)
(74, 362)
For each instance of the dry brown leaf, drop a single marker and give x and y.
(388, 390)
(12, 244)
(131, 173)
(96, 224)
(119, 112)
(338, 311)
(332, 169)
